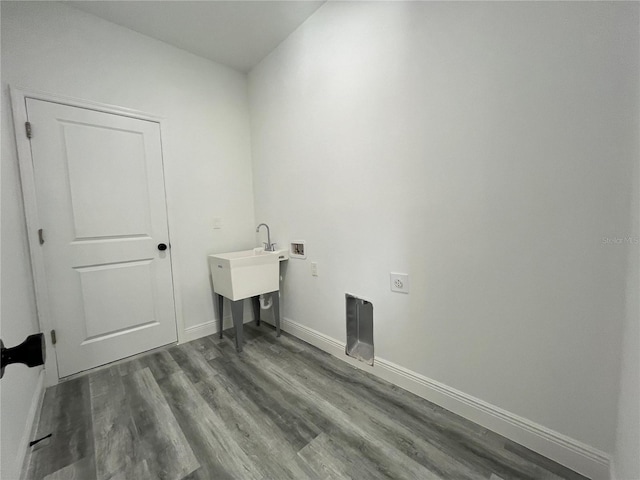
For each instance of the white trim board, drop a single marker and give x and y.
(208, 328)
(565, 450)
(198, 331)
(30, 426)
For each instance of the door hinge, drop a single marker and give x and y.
(27, 127)
(54, 339)
(41, 236)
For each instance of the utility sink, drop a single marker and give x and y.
(247, 273)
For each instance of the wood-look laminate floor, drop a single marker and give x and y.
(281, 409)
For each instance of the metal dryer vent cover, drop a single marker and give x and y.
(359, 329)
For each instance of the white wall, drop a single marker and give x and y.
(54, 48)
(19, 385)
(626, 458)
(206, 139)
(485, 149)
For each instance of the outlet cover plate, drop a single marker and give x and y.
(399, 282)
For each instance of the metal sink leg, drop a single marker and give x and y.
(237, 313)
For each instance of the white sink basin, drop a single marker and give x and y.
(247, 273)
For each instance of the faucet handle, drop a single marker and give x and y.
(269, 247)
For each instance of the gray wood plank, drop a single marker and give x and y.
(114, 431)
(83, 469)
(457, 437)
(378, 450)
(191, 362)
(161, 441)
(71, 426)
(255, 433)
(298, 423)
(427, 451)
(160, 363)
(47, 420)
(46, 424)
(399, 465)
(334, 459)
(206, 347)
(129, 367)
(218, 453)
(139, 471)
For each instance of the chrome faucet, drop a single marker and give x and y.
(268, 246)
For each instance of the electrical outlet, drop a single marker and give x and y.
(314, 269)
(399, 282)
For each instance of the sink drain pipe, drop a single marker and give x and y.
(264, 303)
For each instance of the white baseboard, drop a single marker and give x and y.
(565, 450)
(201, 330)
(22, 459)
(208, 328)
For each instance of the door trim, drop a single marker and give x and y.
(19, 98)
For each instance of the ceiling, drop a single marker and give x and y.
(235, 33)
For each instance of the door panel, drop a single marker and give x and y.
(117, 297)
(107, 187)
(101, 203)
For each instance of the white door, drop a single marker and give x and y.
(101, 203)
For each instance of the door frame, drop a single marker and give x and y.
(47, 323)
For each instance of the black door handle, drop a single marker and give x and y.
(162, 247)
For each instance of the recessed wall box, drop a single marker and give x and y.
(359, 329)
(297, 249)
